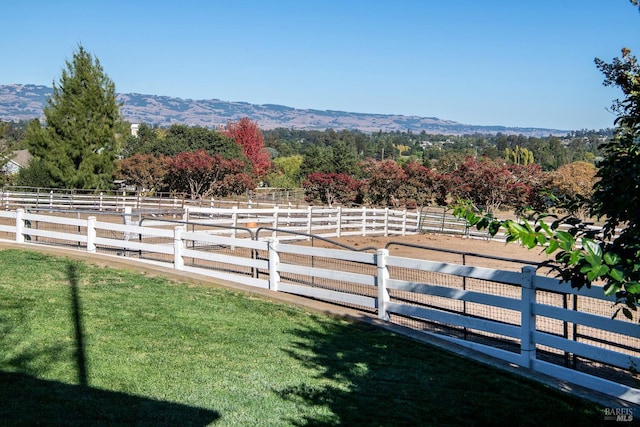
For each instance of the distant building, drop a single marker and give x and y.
(134, 129)
(19, 159)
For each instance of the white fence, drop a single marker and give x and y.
(529, 317)
(428, 219)
(320, 221)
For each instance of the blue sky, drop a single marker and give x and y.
(492, 62)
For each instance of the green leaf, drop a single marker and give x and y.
(611, 258)
(544, 226)
(627, 313)
(529, 240)
(592, 247)
(553, 246)
(565, 240)
(575, 257)
(494, 227)
(515, 229)
(611, 289)
(633, 288)
(616, 274)
(597, 272)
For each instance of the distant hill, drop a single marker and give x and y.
(25, 102)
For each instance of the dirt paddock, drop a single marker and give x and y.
(442, 243)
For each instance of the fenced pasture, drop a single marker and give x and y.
(289, 203)
(165, 353)
(498, 306)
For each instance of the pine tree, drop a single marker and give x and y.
(77, 146)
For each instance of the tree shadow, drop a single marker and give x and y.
(368, 376)
(76, 310)
(27, 400)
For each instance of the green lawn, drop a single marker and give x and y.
(154, 352)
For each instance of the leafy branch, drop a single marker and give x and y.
(579, 254)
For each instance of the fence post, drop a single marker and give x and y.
(91, 234)
(339, 222)
(364, 221)
(274, 263)
(20, 225)
(386, 222)
(178, 246)
(275, 222)
(127, 221)
(381, 282)
(528, 319)
(234, 220)
(404, 222)
(309, 219)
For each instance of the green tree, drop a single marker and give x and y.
(317, 159)
(183, 138)
(144, 142)
(285, 173)
(344, 158)
(78, 145)
(519, 156)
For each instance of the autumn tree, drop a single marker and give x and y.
(79, 142)
(572, 184)
(382, 179)
(420, 187)
(330, 188)
(146, 171)
(489, 184)
(249, 137)
(201, 175)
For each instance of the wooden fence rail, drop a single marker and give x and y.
(374, 282)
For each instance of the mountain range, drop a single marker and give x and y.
(26, 101)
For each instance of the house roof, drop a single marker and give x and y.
(21, 158)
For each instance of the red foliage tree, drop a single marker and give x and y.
(420, 186)
(248, 136)
(202, 175)
(382, 181)
(330, 188)
(492, 184)
(533, 182)
(145, 171)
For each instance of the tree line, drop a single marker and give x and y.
(84, 143)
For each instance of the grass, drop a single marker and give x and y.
(154, 352)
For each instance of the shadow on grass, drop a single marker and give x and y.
(370, 377)
(81, 360)
(28, 400)
(25, 400)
